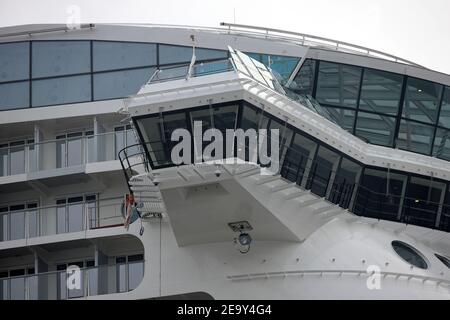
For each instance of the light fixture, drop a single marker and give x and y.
(245, 239)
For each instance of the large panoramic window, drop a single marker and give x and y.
(422, 100)
(281, 66)
(322, 170)
(14, 62)
(375, 129)
(441, 148)
(415, 137)
(423, 197)
(109, 55)
(381, 91)
(338, 84)
(14, 95)
(345, 118)
(119, 84)
(444, 116)
(177, 54)
(380, 194)
(304, 81)
(54, 58)
(344, 182)
(61, 90)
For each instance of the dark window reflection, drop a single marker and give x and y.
(375, 129)
(344, 183)
(14, 61)
(422, 201)
(415, 137)
(380, 194)
(444, 116)
(422, 100)
(322, 171)
(338, 84)
(441, 148)
(380, 91)
(304, 80)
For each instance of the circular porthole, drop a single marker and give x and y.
(409, 254)
(444, 260)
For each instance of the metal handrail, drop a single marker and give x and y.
(284, 35)
(46, 30)
(398, 275)
(327, 42)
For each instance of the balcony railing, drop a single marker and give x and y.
(100, 280)
(66, 152)
(60, 218)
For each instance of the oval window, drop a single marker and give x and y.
(444, 260)
(409, 254)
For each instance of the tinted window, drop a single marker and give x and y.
(177, 54)
(423, 198)
(444, 117)
(380, 194)
(441, 148)
(280, 65)
(304, 80)
(14, 61)
(338, 84)
(120, 84)
(415, 137)
(376, 129)
(322, 171)
(380, 91)
(119, 55)
(345, 118)
(344, 182)
(61, 90)
(409, 254)
(14, 95)
(422, 100)
(52, 58)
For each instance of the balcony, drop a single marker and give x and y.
(66, 151)
(100, 280)
(68, 215)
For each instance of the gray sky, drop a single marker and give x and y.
(417, 30)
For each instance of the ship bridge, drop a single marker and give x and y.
(322, 171)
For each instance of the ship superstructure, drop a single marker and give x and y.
(358, 197)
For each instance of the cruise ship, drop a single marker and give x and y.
(345, 194)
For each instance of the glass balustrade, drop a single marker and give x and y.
(73, 215)
(99, 280)
(65, 151)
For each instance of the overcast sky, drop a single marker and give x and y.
(417, 30)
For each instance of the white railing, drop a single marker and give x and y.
(339, 273)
